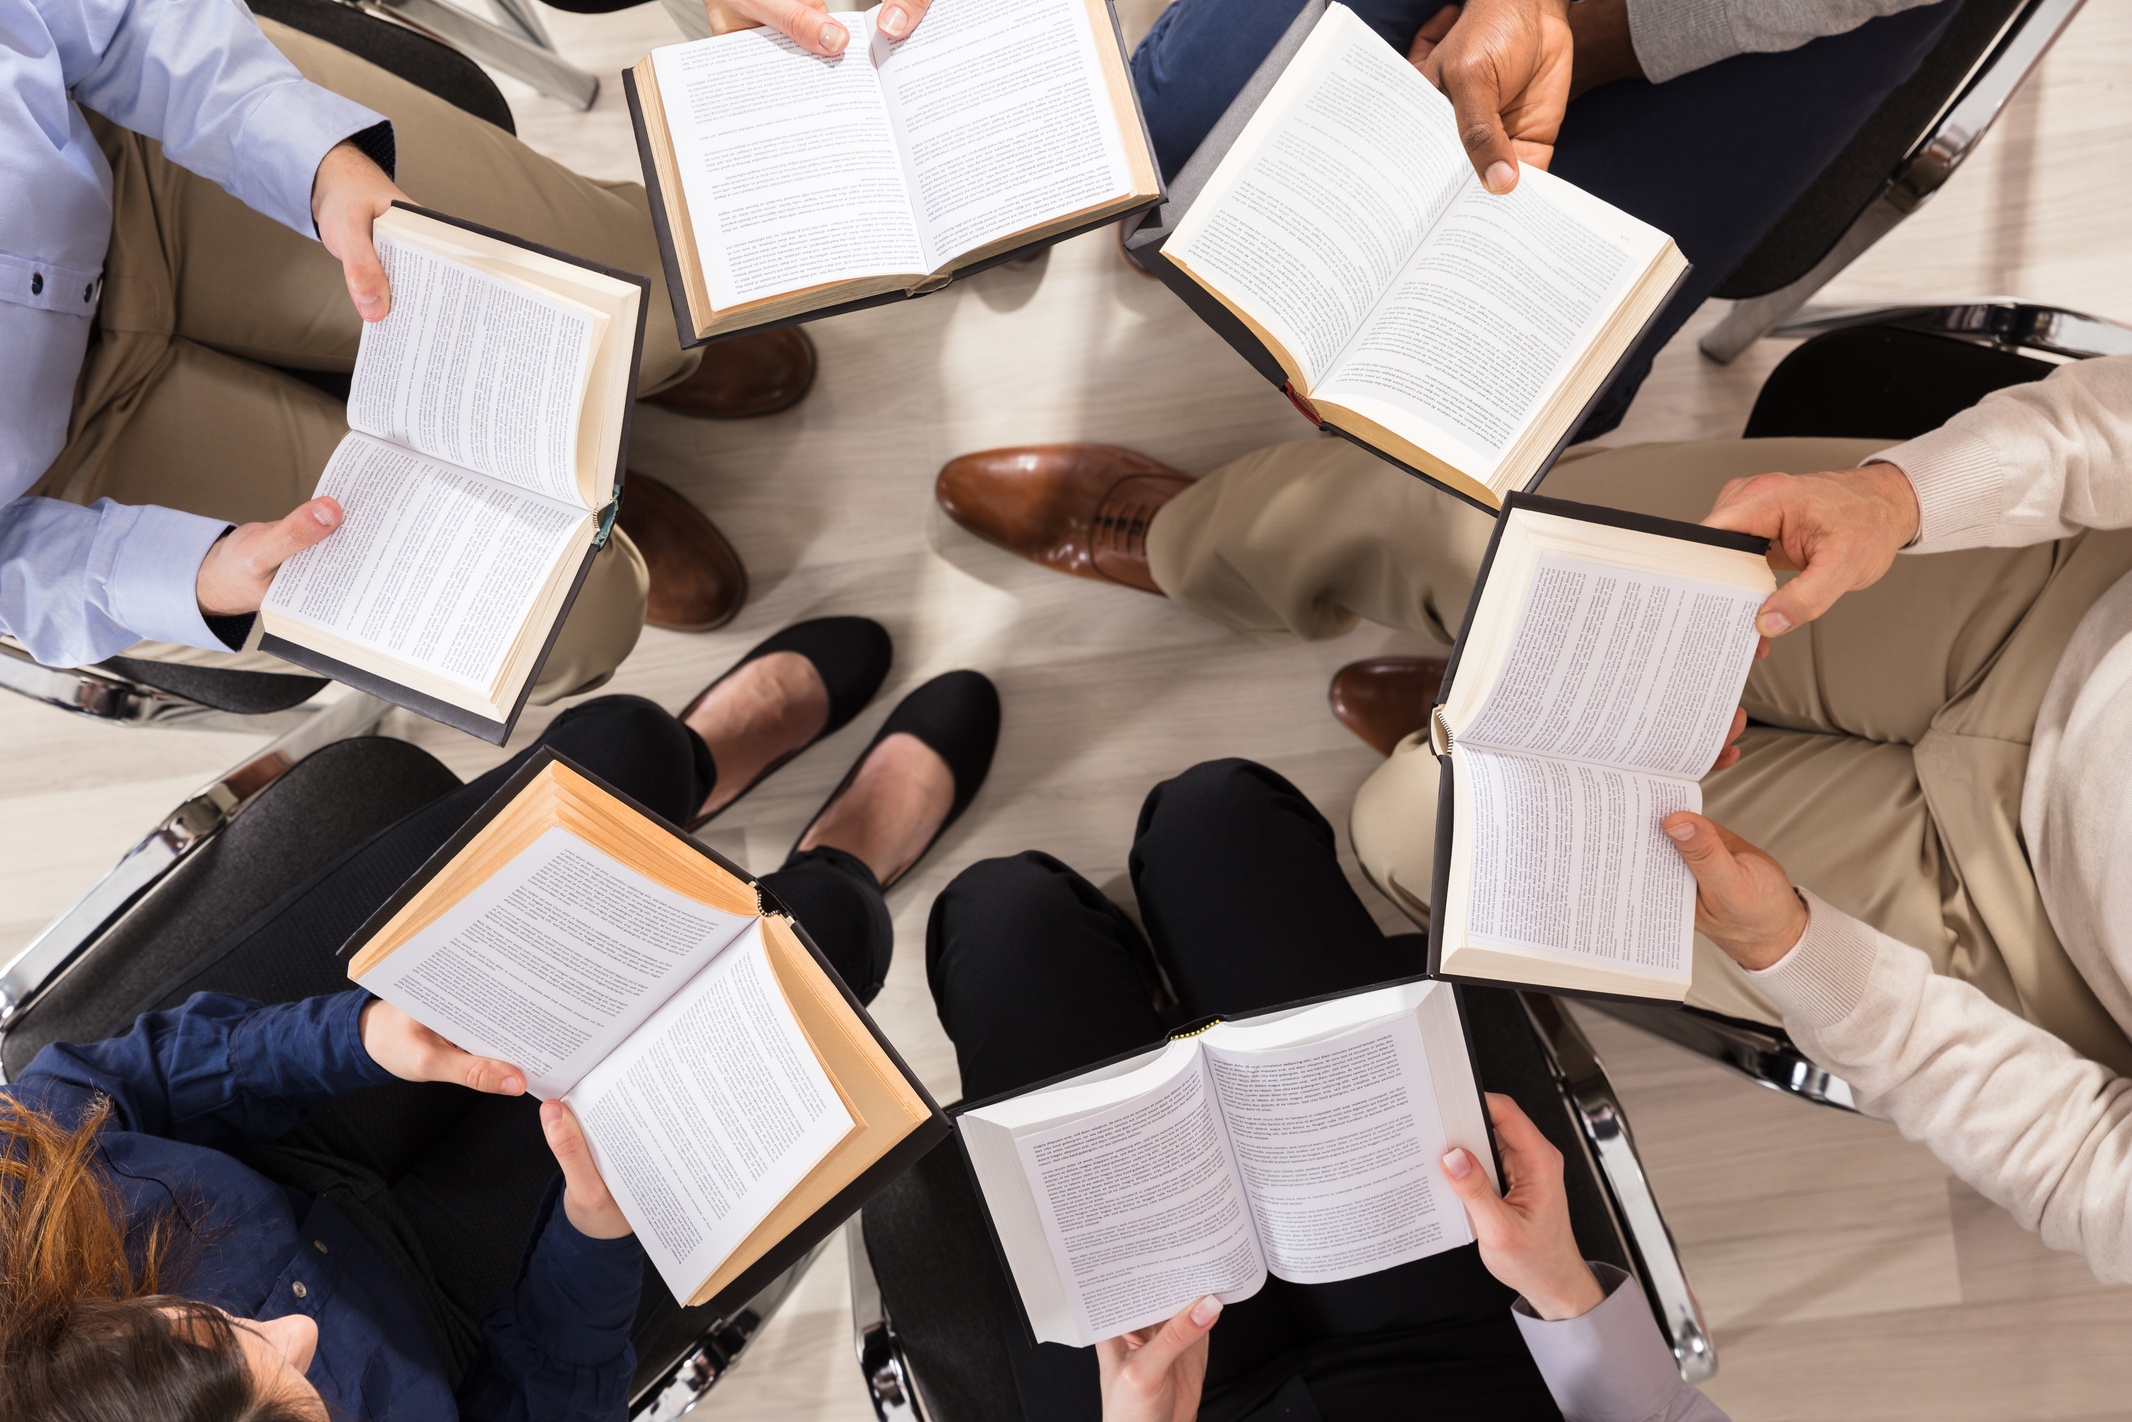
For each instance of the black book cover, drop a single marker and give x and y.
(846, 1202)
(1440, 879)
(677, 291)
(1179, 1033)
(422, 704)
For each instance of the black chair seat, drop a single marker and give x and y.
(242, 693)
(325, 805)
(417, 58)
(1879, 382)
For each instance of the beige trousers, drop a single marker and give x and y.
(179, 403)
(1889, 740)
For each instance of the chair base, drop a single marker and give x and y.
(721, 1345)
(1764, 1055)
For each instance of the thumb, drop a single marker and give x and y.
(1801, 600)
(1703, 848)
(305, 525)
(567, 1143)
(1470, 1183)
(1155, 1357)
(367, 287)
(1470, 81)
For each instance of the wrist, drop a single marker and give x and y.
(1768, 950)
(1572, 1295)
(1891, 488)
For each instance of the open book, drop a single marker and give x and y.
(1341, 228)
(487, 421)
(737, 1100)
(785, 185)
(1302, 1142)
(1590, 690)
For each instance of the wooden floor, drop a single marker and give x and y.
(1844, 1273)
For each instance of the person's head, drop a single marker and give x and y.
(89, 1328)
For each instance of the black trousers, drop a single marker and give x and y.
(1035, 974)
(443, 1181)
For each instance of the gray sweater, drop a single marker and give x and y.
(1675, 36)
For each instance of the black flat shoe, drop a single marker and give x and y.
(957, 716)
(850, 654)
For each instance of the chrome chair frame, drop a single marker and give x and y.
(103, 696)
(519, 46)
(2003, 322)
(1603, 1127)
(1944, 146)
(40, 963)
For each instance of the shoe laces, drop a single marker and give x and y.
(1121, 521)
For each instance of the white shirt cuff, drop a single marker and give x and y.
(151, 587)
(286, 136)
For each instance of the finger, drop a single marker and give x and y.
(1471, 1184)
(580, 1176)
(1520, 1140)
(1154, 1357)
(276, 543)
(1807, 596)
(808, 26)
(1709, 858)
(900, 17)
(1432, 33)
(1476, 97)
(484, 1074)
(367, 287)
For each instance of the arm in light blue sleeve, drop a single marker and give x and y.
(1610, 1365)
(557, 1347)
(79, 584)
(214, 1071)
(199, 76)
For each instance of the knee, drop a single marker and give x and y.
(984, 910)
(633, 743)
(1213, 794)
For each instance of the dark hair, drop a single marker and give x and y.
(87, 1331)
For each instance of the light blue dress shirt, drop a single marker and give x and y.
(78, 584)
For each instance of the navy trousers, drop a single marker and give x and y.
(1713, 158)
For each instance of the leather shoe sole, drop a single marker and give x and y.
(1386, 699)
(746, 377)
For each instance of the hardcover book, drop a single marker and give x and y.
(488, 418)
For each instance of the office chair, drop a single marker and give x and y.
(1876, 372)
(242, 859)
(931, 1308)
(1905, 153)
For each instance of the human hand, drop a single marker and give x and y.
(806, 22)
(348, 193)
(1506, 66)
(1524, 1234)
(1605, 50)
(235, 574)
(1157, 1378)
(1744, 901)
(1842, 529)
(412, 1052)
(587, 1204)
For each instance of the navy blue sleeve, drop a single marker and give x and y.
(215, 1071)
(557, 1347)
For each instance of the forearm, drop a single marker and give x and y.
(2008, 1107)
(2029, 463)
(1673, 37)
(221, 1071)
(1609, 1364)
(558, 1346)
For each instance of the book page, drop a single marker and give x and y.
(1338, 177)
(1621, 667)
(1337, 1143)
(1569, 859)
(552, 961)
(1003, 118)
(710, 1114)
(1489, 316)
(1141, 1209)
(788, 165)
(476, 370)
(432, 565)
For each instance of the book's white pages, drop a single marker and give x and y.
(1346, 224)
(710, 1113)
(553, 960)
(1305, 1144)
(893, 158)
(1593, 693)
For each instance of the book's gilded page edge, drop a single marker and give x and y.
(610, 826)
(1400, 447)
(686, 254)
(1279, 352)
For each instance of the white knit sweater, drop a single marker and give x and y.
(1674, 36)
(2010, 1108)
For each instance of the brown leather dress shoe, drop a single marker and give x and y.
(1386, 699)
(697, 581)
(745, 377)
(1082, 509)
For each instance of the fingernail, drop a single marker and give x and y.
(1457, 1164)
(1681, 833)
(324, 514)
(1206, 1311)
(1772, 624)
(894, 22)
(832, 36)
(1500, 177)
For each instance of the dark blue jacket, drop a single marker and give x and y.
(221, 1072)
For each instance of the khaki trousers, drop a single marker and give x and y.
(1884, 763)
(179, 402)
